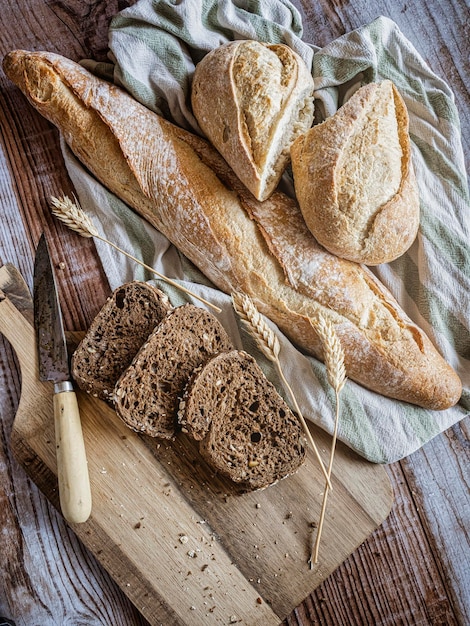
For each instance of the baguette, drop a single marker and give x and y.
(182, 186)
(354, 178)
(252, 100)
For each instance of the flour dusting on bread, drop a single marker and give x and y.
(369, 170)
(354, 179)
(252, 100)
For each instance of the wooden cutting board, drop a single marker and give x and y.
(183, 544)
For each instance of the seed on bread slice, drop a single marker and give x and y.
(147, 394)
(245, 429)
(115, 336)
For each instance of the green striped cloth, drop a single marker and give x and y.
(154, 47)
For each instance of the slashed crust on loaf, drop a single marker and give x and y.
(116, 334)
(383, 348)
(354, 178)
(252, 100)
(182, 186)
(245, 429)
(146, 395)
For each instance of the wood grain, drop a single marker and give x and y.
(251, 548)
(414, 568)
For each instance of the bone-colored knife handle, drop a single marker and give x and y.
(72, 467)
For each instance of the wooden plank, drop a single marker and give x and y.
(387, 568)
(48, 575)
(163, 523)
(444, 512)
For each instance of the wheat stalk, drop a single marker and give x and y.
(70, 213)
(270, 347)
(336, 375)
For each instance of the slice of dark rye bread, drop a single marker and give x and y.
(245, 429)
(147, 394)
(115, 336)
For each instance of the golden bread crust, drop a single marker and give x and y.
(182, 186)
(354, 178)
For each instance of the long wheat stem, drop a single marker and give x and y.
(269, 345)
(304, 425)
(70, 213)
(316, 548)
(336, 374)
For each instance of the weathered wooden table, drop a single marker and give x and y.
(415, 568)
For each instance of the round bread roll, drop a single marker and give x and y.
(354, 178)
(252, 100)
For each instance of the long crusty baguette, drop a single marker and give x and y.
(184, 188)
(354, 178)
(252, 100)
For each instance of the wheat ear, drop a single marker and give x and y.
(70, 213)
(269, 345)
(336, 375)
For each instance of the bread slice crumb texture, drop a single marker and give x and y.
(147, 394)
(246, 430)
(115, 336)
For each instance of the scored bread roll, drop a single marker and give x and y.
(252, 100)
(182, 186)
(354, 178)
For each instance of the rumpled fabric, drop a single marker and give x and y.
(154, 48)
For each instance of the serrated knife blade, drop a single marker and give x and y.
(72, 468)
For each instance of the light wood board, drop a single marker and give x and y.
(186, 546)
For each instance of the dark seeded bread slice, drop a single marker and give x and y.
(116, 335)
(147, 394)
(245, 429)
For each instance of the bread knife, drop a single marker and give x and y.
(72, 468)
